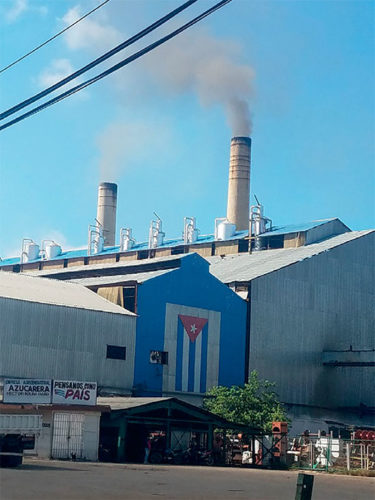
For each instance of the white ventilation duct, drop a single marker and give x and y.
(30, 250)
(155, 235)
(50, 249)
(126, 239)
(190, 230)
(224, 229)
(259, 224)
(95, 240)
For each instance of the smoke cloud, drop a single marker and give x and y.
(125, 145)
(200, 63)
(195, 62)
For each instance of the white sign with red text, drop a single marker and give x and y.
(73, 392)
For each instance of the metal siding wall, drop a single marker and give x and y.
(45, 341)
(327, 230)
(322, 303)
(193, 286)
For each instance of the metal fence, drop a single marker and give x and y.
(67, 441)
(325, 452)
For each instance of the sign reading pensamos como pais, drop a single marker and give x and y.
(73, 392)
(33, 391)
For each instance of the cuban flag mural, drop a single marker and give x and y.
(192, 340)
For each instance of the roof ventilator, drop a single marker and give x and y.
(224, 229)
(126, 239)
(259, 224)
(96, 239)
(50, 249)
(155, 235)
(190, 230)
(30, 250)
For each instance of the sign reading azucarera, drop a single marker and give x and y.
(74, 392)
(33, 391)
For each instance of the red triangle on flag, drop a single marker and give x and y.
(192, 325)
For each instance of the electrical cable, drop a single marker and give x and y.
(97, 61)
(117, 66)
(52, 38)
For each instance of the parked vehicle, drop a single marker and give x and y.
(13, 429)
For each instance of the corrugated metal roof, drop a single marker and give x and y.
(80, 253)
(245, 267)
(121, 278)
(296, 228)
(54, 292)
(208, 238)
(111, 265)
(124, 403)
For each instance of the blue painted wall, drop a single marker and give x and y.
(191, 285)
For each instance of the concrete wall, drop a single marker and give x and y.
(320, 304)
(90, 435)
(46, 341)
(189, 290)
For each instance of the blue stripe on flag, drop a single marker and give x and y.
(204, 334)
(191, 365)
(180, 344)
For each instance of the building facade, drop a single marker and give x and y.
(50, 329)
(191, 328)
(311, 325)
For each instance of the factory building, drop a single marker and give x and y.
(51, 329)
(307, 312)
(311, 325)
(191, 328)
(309, 322)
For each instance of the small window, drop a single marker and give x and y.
(28, 441)
(159, 357)
(129, 294)
(116, 352)
(275, 241)
(143, 254)
(178, 249)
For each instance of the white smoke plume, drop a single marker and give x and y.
(126, 145)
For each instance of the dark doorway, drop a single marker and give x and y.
(135, 443)
(108, 444)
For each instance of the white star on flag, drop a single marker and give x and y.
(193, 325)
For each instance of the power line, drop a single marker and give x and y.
(117, 66)
(52, 38)
(97, 61)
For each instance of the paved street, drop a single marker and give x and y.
(55, 480)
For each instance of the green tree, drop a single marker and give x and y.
(254, 404)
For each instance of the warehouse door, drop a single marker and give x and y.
(67, 441)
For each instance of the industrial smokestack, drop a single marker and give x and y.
(106, 213)
(239, 183)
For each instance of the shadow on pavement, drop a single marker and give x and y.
(34, 467)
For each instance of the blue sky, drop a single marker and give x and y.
(159, 127)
